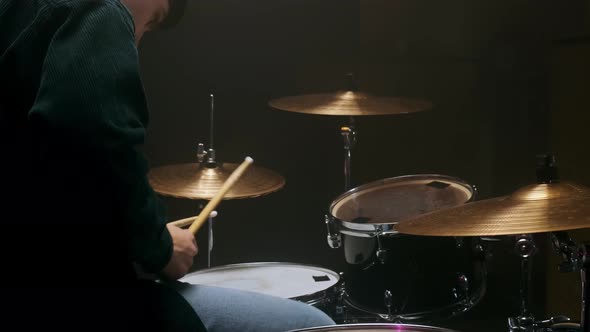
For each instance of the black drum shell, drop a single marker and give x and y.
(423, 274)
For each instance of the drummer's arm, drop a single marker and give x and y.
(91, 108)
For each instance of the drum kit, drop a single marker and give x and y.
(415, 246)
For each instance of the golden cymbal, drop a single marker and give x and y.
(536, 208)
(197, 181)
(348, 103)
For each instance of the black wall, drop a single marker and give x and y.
(487, 66)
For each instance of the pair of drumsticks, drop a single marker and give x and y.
(198, 221)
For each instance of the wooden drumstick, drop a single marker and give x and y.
(188, 221)
(233, 178)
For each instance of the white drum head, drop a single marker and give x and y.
(286, 280)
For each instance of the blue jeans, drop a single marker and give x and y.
(225, 310)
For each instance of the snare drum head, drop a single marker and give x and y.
(391, 200)
(374, 327)
(286, 280)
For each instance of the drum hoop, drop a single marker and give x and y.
(317, 296)
(375, 326)
(374, 229)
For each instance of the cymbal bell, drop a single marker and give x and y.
(348, 103)
(536, 208)
(197, 181)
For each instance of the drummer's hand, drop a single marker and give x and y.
(185, 248)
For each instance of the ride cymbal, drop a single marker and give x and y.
(197, 181)
(536, 208)
(348, 103)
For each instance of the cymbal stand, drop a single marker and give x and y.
(349, 137)
(208, 158)
(210, 233)
(576, 258)
(525, 248)
(348, 134)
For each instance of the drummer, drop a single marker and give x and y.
(78, 209)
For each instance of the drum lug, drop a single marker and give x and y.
(392, 312)
(381, 255)
(340, 304)
(388, 300)
(462, 290)
(333, 237)
(459, 242)
(480, 253)
(341, 314)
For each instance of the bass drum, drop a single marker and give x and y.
(399, 277)
(564, 327)
(374, 327)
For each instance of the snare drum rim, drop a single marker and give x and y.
(305, 297)
(374, 326)
(374, 229)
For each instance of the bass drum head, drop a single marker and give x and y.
(391, 200)
(374, 327)
(286, 280)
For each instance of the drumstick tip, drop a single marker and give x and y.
(249, 159)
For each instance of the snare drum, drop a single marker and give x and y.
(374, 327)
(310, 284)
(401, 277)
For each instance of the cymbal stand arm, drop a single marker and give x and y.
(348, 134)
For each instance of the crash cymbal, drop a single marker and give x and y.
(197, 181)
(348, 103)
(533, 209)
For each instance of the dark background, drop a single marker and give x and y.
(508, 78)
